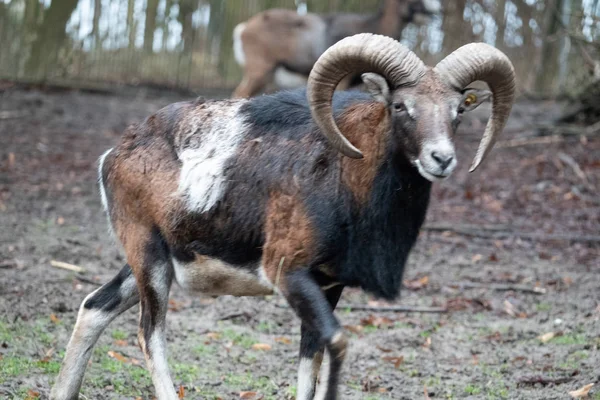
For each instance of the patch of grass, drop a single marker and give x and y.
(49, 367)
(265, 326)
(118, 334)
(185, 373)
(203, 349)
(369, 329)
(402, 325)
(472, 389)
(570, 339)
(543, 306)
(248, 382)
(13, 366)
(240, 339)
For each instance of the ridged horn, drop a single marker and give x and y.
(357, 54)
(482, 62)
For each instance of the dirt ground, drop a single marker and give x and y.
(528, 218)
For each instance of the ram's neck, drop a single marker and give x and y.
(384, 230)
(367, 126)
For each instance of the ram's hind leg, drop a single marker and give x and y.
(311, 352)
(97, 310)
(154, 273)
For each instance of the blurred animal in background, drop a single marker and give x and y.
(283, 45)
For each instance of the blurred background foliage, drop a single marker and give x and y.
(188, 43)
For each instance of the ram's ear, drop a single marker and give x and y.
(473, 98)
(377, 86)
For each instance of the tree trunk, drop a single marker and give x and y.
(150, 26)
(131, 23)
(186, 9)
(501, 22)
(96, 23)
(50, 35)
(548, 65)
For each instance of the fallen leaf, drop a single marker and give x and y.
(493, 257)
(426, 393)
(283, 340)
(417, 283)
(383, 349)
(181, 392)
(175, 305)
(427, 343)
(247, 395)
(11, 160)
(54, 318)
(32, 394)
(47, 356)
(213, 335)
(117, 356)
(583, 392)
(354, 328)
(120, 342)
(546, 337)
(261, 346)
(60, 221)
(397, 361)
(376, 321)
(476, 258)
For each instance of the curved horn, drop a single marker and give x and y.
(360, 53)
(479, 61)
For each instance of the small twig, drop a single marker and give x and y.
(364, 307)
(499, 286)
(235, 315)
(517, 142)
(67, 266)
(416, 309)
(469, 230)
(86, 280)
(12, 114)
(543, 380)
(570, 161)
(8, 264)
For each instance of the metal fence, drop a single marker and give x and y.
(188, 43)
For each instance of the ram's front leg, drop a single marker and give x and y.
(312, 306)
(311, 352)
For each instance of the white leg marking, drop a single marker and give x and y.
(306, 379)
(324, 377)
(211, 144)
(158, 366)
(238, 46)
(89, 326)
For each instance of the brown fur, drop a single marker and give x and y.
(367, 126)
(289, 236)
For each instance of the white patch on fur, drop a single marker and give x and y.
(101, 181)
(202, 180)
(286, 79)
(306, 379)
(215, 277)
(238, 45)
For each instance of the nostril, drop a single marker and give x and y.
(442, 159)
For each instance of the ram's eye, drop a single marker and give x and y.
(400, 107)
(470, 99)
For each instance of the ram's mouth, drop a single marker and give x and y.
(430, 176)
